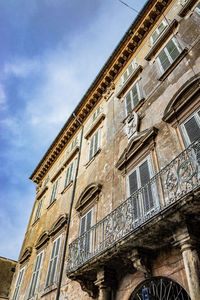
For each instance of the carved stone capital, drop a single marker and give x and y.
(183, 239)
(87, 286)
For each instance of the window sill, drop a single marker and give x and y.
(164, 36)
(51, 204)
(186, 8)
(93, 158)
(173, 65)
(49, 289)
(67, 187)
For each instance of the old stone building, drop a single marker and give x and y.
(7, 269)
(116, 214)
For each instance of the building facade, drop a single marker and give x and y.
(116, 214)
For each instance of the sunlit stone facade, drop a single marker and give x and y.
(120, 183)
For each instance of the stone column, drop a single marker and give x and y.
(186, 243)
(105, 282)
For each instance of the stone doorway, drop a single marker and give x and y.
(159, 288)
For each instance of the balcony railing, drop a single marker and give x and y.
(174, 181)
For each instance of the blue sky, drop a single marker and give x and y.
(51, 51)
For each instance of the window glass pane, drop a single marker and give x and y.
(133, 185)
(164, 60)
(125, 75)
(172, 49)
(161, 27)
(154, 36)
(197, 8)
(193, 129)
(135, 95)
(128, 103)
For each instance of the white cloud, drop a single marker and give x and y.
(2, 98)
(21, 67)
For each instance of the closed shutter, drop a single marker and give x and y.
(133, 187)
(52, 271)
(147, 191)
(37, 215)
(96, 142)
(36, 274)
(18, 284)
(192, 128)
(91, 148)
(86, 223)
(135, 95)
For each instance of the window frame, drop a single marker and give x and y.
(186, 137)
(48, 284)
(30, 295)
(164, 48)
(98, 132)
(54, 191)
(69, 179)
(139, 94)
(38, 210)
(84, 234)
(18, 284)
(159, 33)
(153, 186)
(133, 64)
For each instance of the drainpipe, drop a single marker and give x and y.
(70, 211)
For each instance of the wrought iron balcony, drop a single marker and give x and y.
(172, 183)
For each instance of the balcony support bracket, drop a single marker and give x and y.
(139, 263)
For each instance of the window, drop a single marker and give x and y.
(169, 54)
(18, 284)
(38, 210)
(74, 143)
(69, 174)
(36, 274)
(158, 31)
(53, 263)
(197, 9)
(133, 97)
(129, 70)
(96, 113)
(94, 144)
(191, 128)
(86, 224)
(144, 201)
(54, 191)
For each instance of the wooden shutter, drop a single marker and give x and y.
(135, 94)
(36, 274)
(51, 275)
(133, 187)
(91, 147)
(96, 142)
(37, 215)
(147, 196)
(192, 128)
(18, 284)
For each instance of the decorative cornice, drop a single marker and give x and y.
(119, 58)
(89, 193)
(134, 145)
(188, 5)
(164, 36)
(129, 81)
(181, 98)
(41, 193)
(43, 239)
(94, 125)
(59, 224)
(26, 254)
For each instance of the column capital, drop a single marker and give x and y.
(184, 239)
(105, 278)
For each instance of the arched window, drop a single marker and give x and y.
(159, 288)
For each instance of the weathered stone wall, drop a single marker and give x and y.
(7, 269)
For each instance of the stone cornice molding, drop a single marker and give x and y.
(90, 193)
(137, 32)
(94, 125)
(42, 192)
(26, 254)
(135, 145)
(58, 225)
(43, 239)
(181, 98)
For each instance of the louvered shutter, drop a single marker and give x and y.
(37, 215)
(192, 128)
(91, 148)
(18, 284)
(135, 95)
(36, 274)
(147, 196)
(128, 103)
(164, 60)
(53, 262)
(133, 187)
(172, 49)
